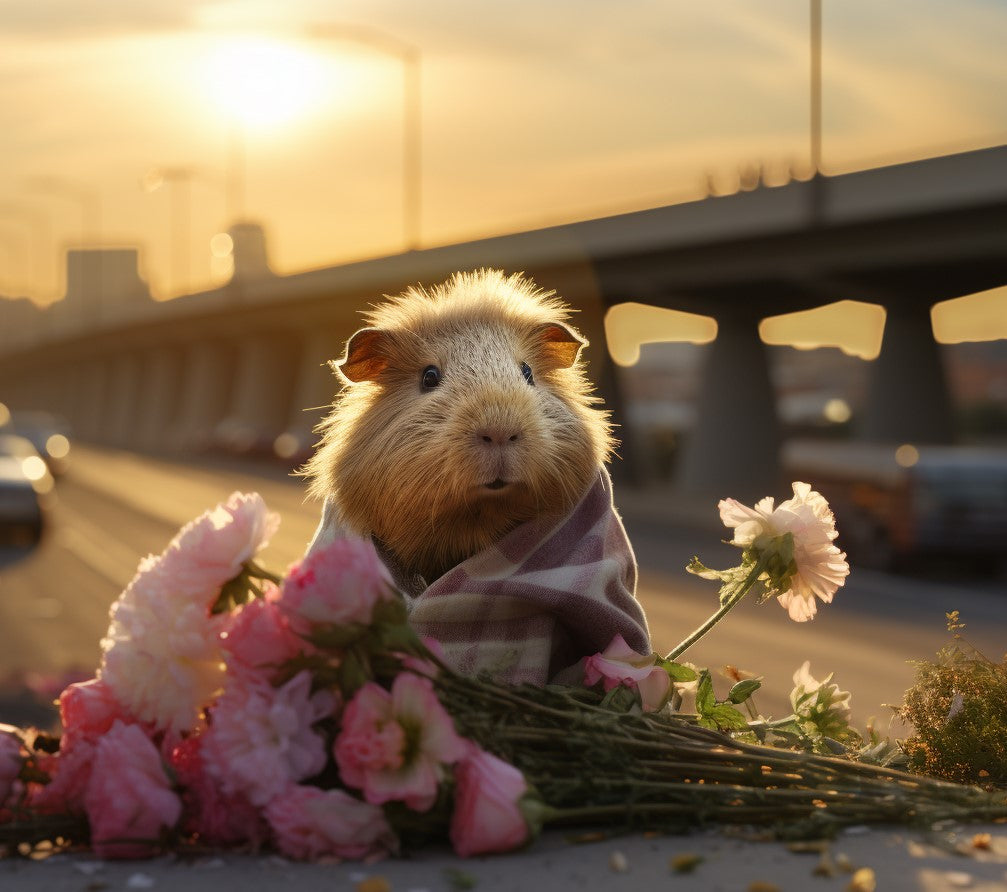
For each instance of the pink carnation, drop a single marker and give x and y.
(87, 710)
(210, 550)
(619, 664)
(339, 584)
(261, 739)
(381, 729)
(211, 815)
(162, 658)
(258, 636)
(487, 816)
(311, 823)
(11, 760)
(69, 773)
(129, 796)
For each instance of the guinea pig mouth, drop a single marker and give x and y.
(496, 484)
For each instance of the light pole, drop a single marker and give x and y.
(409, 55)
(816, 86)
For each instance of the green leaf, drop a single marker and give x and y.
(714, 713)
(233, 593)
(705, 699)
(391, 612)
(398, 637)
(621, 699)
(336, 636)
(727, 718)
(354, 672)
(677, 671)
(744, 689)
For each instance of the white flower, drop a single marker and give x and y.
(819, 566)
(820, 703)
(161, 655)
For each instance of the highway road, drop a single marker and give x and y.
(113, 508)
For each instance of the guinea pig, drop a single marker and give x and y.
(465, 412)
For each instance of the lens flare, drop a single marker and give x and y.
(33, 468)
(907, 455)
(57, 446)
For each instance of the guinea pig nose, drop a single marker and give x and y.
(498, 436)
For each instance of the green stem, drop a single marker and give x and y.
(729, 604)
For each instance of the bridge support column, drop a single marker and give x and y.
(580, 286)
(92, 389)
(733, 450)
(908, 401)
(120, 412)
(263, 387)
(159, 396)
(207, 385)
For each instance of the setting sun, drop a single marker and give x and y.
(262, 83)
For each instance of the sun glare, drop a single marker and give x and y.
(262, 83)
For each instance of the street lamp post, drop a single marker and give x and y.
(409, 55)
(816, 86)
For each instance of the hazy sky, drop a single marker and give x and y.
(533, 113)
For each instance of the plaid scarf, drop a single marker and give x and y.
(547, 594)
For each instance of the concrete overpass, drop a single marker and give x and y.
(239, 366)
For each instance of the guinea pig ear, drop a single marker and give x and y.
(365, 359)
(560, 344)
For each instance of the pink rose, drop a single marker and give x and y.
(11, 761)
(487, 816)
(339, 584)
(129, 796)
(619, 664)
(393, 745)
(209, 813)
(261, 739)
(211, 550)
(258, 636)
(311, 823)
(87, 710)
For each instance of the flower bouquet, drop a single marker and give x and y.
(233, 708)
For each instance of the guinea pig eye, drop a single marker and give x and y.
(526, 371)
(431, 377)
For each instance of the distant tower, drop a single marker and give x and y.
(250, 258)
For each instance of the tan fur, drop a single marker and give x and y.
(409, 466)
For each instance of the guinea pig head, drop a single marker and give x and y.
(460, 420)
